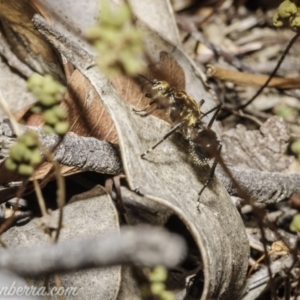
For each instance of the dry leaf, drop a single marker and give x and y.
(25, 41)
(86, 114)
(262, 149)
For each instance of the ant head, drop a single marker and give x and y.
(162, 87)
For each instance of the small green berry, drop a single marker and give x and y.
(25, 170)
(29, 139)
(295, 224)
(59, 112)
(159, 273)
(16, 152)
(10, 164)
(61, 128)
(34, 80)
(35, 157)
(26, 155)
(47, 100)
(48, 129)
(50, 88)
(37, 109)
(123, 16)
(277, 22)
(287, 9)
(166, 295)
(296, 22)
(37, 91)
(157, 287)
(50, 117)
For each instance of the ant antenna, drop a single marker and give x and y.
(146, 78)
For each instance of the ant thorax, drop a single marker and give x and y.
(184, 108)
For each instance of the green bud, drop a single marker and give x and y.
(166, 295)
(295, 224)
(51, 87)
(35, 157)
(10, 164)
(50, 117)
(61, 128)
(101, 47)
(48, 79)
(123, 16)
(61, 89)
(59, 112)
(157, 287)
(16, 152)
(48, 129)
(47, 99)
(111, 36)
(277, 22)
(105, 15)
(26, 155)
(295, 22)
(34, 80)
(287, 9)
(29, 139)
(159, 273)
(37, 109)
(25, 170)
(131, 63)
(37, 91)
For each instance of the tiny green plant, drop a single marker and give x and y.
(24, 155)
(157, 286)
(288, 14)
(295, 224)
(118, 43)
(49, 93)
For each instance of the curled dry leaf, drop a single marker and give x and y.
(25, 41)
(159, 16)
(168, 179)
(86, 114)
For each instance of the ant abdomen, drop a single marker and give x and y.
(204, 143)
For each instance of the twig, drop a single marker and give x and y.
(5, 107)
(61, 193)
(214, 10)
(289, 46)
(134, 245)
(40, 197)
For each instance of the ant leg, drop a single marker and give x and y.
(217, 108)
(211, 174)
(209, 111)
(145, 109)
(170, 132)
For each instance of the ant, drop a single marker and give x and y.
(185, 116)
